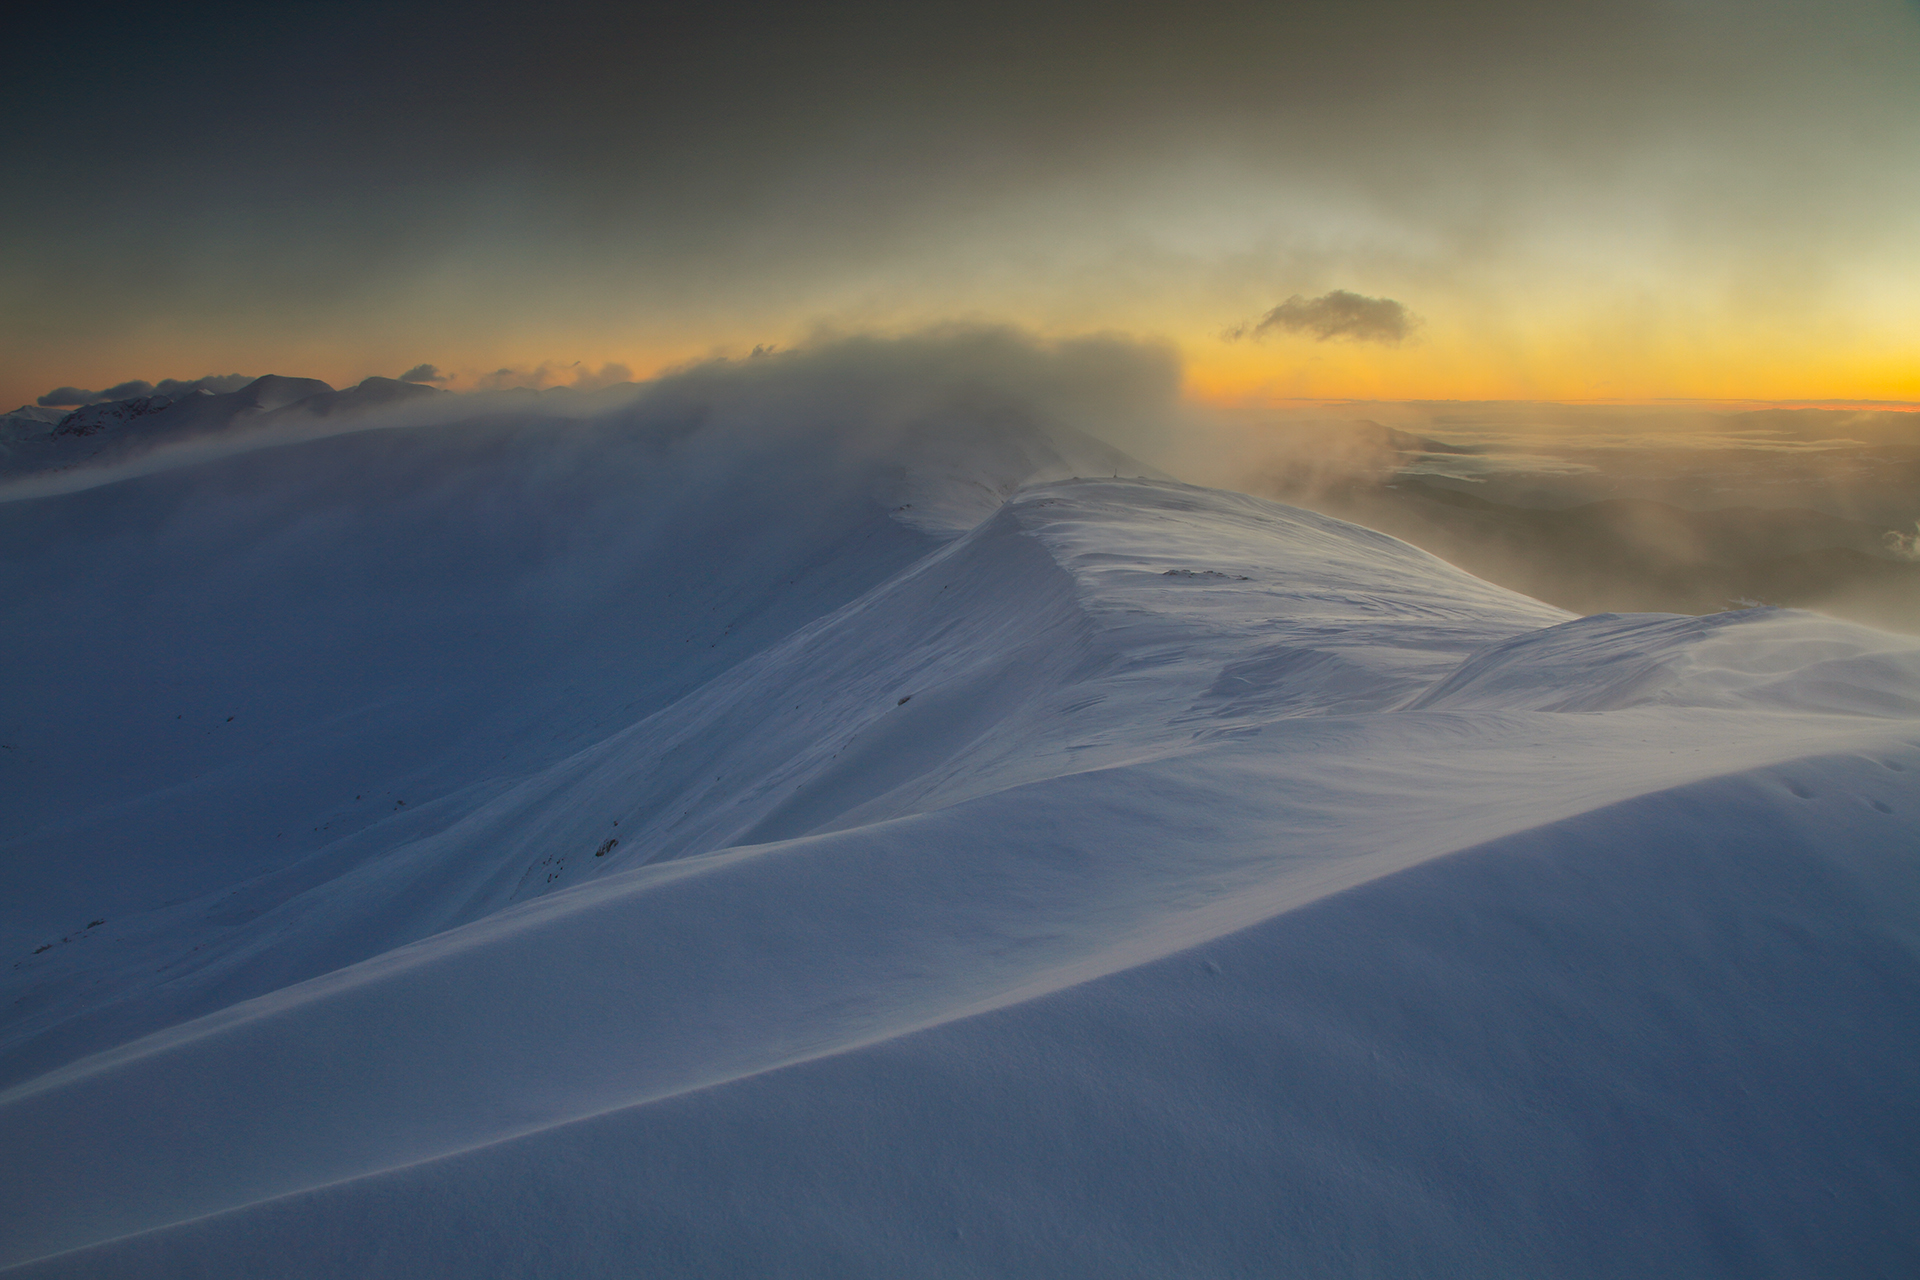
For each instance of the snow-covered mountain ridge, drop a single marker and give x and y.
(127, 433)
(810, 858)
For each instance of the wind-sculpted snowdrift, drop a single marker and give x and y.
(1123, 879)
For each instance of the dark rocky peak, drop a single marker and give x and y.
(369, 394)
(96, 418)
(276, 391)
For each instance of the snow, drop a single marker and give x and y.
(660, 841)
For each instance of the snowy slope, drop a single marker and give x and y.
(813, 861)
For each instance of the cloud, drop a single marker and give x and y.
(423, 373)
(538, 378)
(64, 396)
(607, 376)
(937, 391)
(218, 384)
(1340, 314)
(547, 375)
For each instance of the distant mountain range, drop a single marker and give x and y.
(36, 440)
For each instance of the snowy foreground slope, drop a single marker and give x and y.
(632, 854)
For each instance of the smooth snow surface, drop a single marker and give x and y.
(634, 851)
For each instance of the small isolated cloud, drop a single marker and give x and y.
(217, 383)
(1340, 314)
(423, 373)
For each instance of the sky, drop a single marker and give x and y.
(1363, 198)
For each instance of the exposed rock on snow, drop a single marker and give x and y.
(96, 418)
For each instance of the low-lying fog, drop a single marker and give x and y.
(1619, 508)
